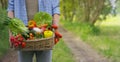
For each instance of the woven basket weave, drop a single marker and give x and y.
(38, 44)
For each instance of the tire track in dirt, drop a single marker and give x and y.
(81, 51)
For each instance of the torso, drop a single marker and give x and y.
(32, 8)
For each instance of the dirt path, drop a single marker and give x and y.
(81, 51)
(11, 56)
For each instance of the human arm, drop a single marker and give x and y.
(10, 5)
(10, 8)
(56, 17)
(55, 11)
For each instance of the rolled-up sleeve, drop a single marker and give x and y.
(10, 5)
(55, 7)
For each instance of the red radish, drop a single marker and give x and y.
(12, 39)
(16, 45)
(21, 39)
(43, 28)
(19, 43)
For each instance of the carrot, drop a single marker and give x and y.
(43, 25)
(31, 24)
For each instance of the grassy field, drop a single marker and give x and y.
(105, 38)
(62, 53)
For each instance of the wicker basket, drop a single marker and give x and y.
(38, 44)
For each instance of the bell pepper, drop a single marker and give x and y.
(48, 33)
(31, 24)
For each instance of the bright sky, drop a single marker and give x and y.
(113, 3)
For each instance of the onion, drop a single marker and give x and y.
(38, 30)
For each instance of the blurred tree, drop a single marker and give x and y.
(113, 5)
(87, 11)
(3, 4)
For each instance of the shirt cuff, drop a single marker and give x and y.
(56, 11)
(9, 9)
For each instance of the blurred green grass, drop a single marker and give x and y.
(61, 53)
(104, 37)
(4, 44)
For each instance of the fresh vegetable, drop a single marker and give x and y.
(17, 40)
(16, 25)
(56, 40)
(16, 45)
(42, 18)
(31, 24)
(57, 37)
(57, 34)
(31, 36)
(48, 33)
(37, 30)
(54, 26)
(23, 45)
(40, 27)
(43, 25)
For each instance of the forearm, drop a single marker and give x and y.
(56, 12)
(56, 18)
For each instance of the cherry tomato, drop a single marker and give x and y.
(56, 40)
(23, 45)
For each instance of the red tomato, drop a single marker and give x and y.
(23, 44)
(57, 34)
(56, 40)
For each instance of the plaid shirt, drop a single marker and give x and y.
(19, 8)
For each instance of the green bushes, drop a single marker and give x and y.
(82, 29)
(4, 44)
